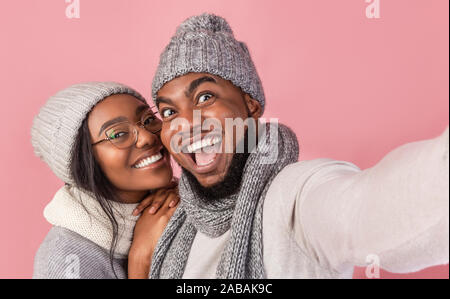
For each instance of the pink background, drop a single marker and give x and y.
(352, 88)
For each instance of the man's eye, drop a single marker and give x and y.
(204, 97)
(167, 113)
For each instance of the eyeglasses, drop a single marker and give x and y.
(124, 135)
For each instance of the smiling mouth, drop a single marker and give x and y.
(204, 152)
(148, 160)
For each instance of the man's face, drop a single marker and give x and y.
(214, 98)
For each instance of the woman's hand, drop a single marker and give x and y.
(148, 230)
(155, 201)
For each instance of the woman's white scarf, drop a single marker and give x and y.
(76, 210)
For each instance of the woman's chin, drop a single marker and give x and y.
(152, 182)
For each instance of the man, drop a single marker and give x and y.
(245, 216)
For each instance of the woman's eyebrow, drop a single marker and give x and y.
(119, 119)
(111, 122)
(141, 108)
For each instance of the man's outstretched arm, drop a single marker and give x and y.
(397, 210)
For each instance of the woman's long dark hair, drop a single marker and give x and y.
(88, 175)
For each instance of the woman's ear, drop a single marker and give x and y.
(253, 106)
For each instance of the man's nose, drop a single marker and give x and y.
(193, 117)
(191, 120)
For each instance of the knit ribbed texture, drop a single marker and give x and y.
(79, 242)
(241, 212)
(206, 44)
(56, 126)
(65, 254)
(76, 210)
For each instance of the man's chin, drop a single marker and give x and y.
(209, 181)
(214, 186)
(206, 180)
(211, 175)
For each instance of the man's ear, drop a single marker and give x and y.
(253, 106)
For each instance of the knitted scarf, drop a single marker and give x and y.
(241, 212)
(76, 210)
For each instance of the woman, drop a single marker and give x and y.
(102, 140)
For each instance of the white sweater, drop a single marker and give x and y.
(323, 217)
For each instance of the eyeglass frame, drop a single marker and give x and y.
(134, 128)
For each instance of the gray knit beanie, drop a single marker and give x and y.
(55, 128)
(206, 44)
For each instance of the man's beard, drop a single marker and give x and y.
(228, 186)
(232, 181)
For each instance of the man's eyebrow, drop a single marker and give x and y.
(194, 84)
(160, 100)
(111, 122)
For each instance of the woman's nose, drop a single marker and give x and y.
(146, 138)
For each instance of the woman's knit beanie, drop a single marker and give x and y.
(56, 126)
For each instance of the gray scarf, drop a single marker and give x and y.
(241, 212)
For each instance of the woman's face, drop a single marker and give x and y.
(133, 170)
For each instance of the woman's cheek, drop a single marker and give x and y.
(114, 164)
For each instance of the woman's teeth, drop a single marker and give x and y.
(203, 143)
(150, 160)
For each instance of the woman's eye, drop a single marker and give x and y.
(148, 120)
(116, 135)
(204, 97)
(167, 113)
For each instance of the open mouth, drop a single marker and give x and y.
(204, 152)
(149, 160)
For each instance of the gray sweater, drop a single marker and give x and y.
(66, 254)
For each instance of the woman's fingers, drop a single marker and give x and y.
(174, 200)
(155, 200)
(170, 201)
(143, 204)
(170, 211)
(159, 200)
(148, 201)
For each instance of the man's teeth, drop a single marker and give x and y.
(205, 163)
(203, 143)
(149, 160)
